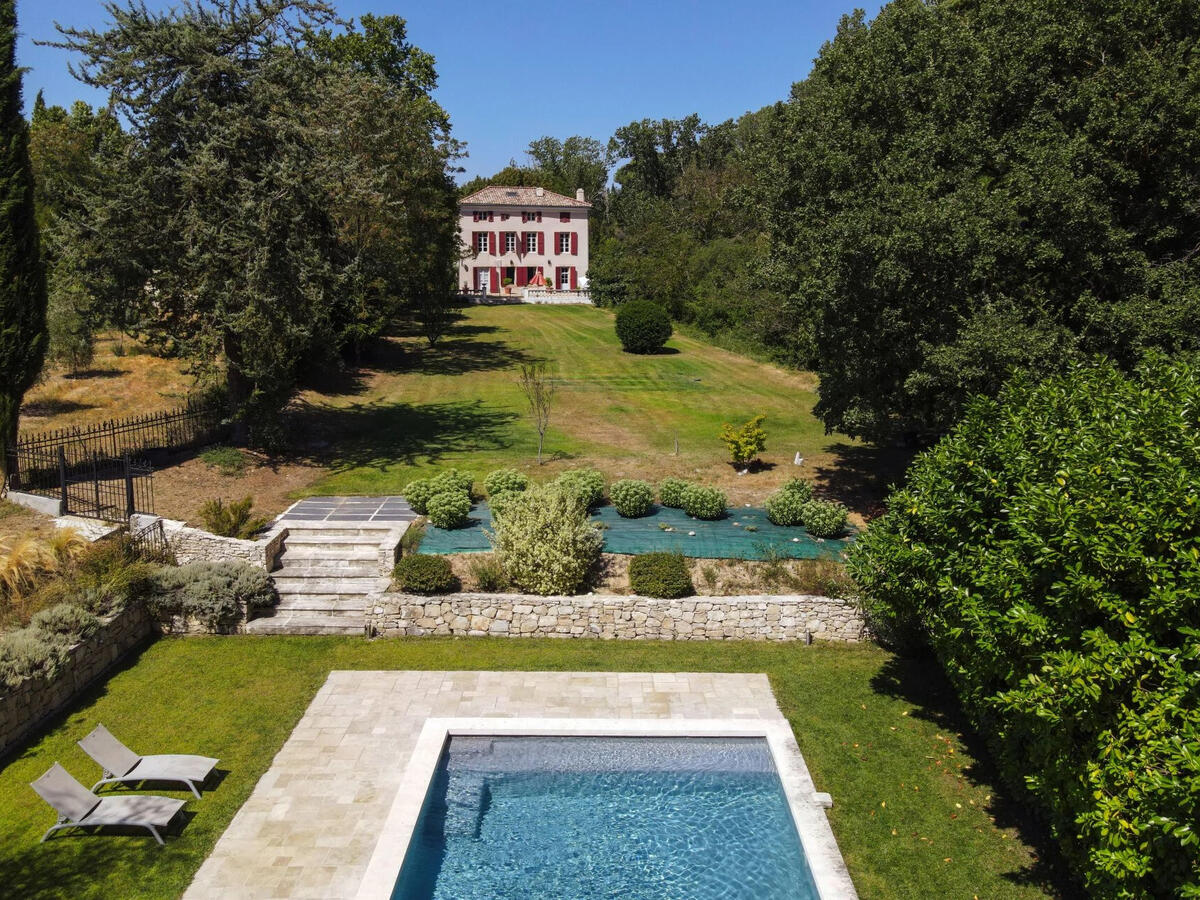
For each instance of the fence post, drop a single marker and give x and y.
(128, 488)
(62, 477)
(96, 482)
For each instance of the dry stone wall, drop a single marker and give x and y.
(25, 706)
(196, 545)
(760, 617)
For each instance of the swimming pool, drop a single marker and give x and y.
(597, 817)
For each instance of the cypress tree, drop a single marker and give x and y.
(22, 281)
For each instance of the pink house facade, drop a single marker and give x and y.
(523, 237)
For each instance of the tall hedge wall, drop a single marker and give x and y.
(1048, 550)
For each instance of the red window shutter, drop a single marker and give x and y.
(491, 216)
(541, 243)
(575, 243)
(495, 280)
(574, 282)
(522, 276)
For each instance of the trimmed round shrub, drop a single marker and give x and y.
(632, 498)
(642, 326)
(545, 541)
(660, 575)
(786, 508)
(505, 480)
(798, 487)
(823, 519)
(66, 619)
(702, 502)
(498, 501)
(449, 509)
(670, 492)
(419, 492)
(422, 574)
(585, 484)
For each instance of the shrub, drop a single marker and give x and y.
(660, 575)
(670, 492)
(419, 492)
(746, 441)
(488, 572)
(66, 620)
(413, 535)
(234, 520)
(798, 487)
(505, 480)
(1046, 550)
(545, 541)
(642, 326)
(30, 653)
(226, 460)
(823, 519)
(499, 500)
(702, 502)
(449, 509)
(632, 499)
(422, 574)
(786, 507)
(585, 484)
(216, 594)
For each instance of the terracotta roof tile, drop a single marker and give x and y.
(501, 195)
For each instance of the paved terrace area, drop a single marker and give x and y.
(311, 825)
(350, 509)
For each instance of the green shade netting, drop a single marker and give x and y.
(728, 538)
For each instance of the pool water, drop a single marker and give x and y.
(581, 818)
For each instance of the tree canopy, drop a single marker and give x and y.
(250, 220)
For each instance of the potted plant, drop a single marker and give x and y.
(507, 285)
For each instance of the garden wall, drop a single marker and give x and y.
(24, 707)
(761, 617)
(196, 545)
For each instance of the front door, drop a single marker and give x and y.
(481, 279)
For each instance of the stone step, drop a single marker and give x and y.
(329, 555)
(309, 568)
(290, 606)
(332, 541)
(300, 584)
(306, 624)
(368, 535)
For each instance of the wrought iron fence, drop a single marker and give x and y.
(85, 483)
(151, 544)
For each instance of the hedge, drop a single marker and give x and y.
(660, 574)
(642, 326)
(1048, 550)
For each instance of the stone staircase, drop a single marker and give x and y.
(327, 574)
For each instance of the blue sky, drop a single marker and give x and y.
(515, 71)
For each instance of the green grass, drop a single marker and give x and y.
(226, 460)
(913, 809)
(421, 410)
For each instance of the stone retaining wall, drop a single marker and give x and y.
(760, 617)
(24, 707)
(196, 545)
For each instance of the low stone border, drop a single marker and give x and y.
(27, 705)
(197, 545)
(758, 617)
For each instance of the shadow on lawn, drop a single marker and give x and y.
(53, 407)
(384, 433)
(860, 476)
(919, 681)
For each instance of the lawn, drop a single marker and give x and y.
(915, 813)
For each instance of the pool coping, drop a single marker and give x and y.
(806, 804)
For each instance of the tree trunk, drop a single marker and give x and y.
(10, 408)
(238, 389)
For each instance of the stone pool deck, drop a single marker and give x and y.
(312, 823)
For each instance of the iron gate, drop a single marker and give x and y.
(85, 483)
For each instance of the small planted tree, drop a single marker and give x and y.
(538, 388)
(745, 441)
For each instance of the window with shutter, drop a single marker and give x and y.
(564, 217)
(574, 281)
(575, 243)
(541, 242)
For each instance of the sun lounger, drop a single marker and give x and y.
(120, 764)
(77, 807)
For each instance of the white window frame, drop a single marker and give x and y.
(510, 242)
(531, 242)
(564, 243)
(564, 278)
(481, 242)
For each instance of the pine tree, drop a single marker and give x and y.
(22, 281)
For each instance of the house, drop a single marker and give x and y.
(523, 237)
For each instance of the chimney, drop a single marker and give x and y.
(579, 194)
(541, 192)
